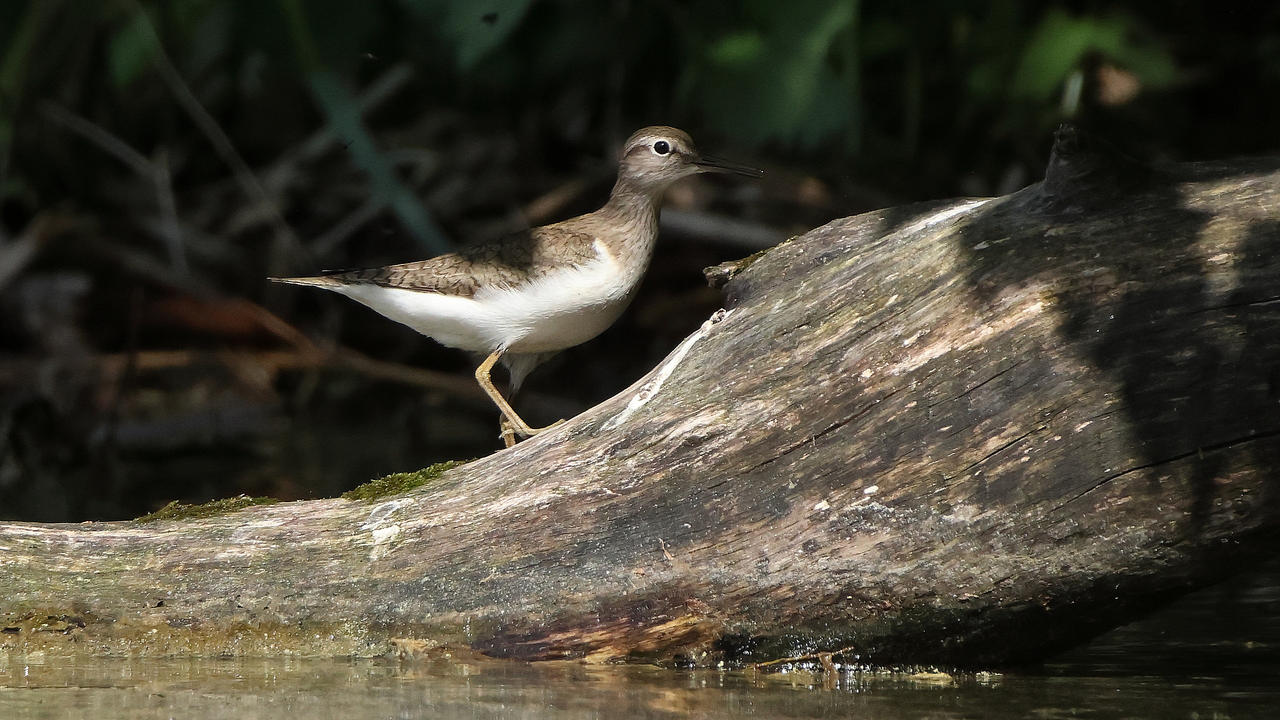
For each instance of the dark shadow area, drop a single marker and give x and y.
(1158, 296)
(1255, 308)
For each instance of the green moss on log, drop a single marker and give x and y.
(398, 483)
(182, 511)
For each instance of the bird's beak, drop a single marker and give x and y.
(714, 164)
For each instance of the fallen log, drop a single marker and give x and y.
(968, 432)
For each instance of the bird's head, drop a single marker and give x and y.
(656, 156)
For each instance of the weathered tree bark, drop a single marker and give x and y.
(965, 432)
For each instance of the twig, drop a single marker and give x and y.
(665, 553)
(462, 386)
(824, 658)
(101, 137)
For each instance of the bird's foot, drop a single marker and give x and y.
(506, 432)
(512, 433)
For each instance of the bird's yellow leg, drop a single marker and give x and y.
(516, 425)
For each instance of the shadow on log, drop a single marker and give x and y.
(970, 432)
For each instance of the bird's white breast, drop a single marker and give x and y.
(556, 310)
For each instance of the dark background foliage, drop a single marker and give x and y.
(158, 160)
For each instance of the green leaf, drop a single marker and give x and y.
(737, 49)
(1061, 42)
(131, 50)
(778, 80)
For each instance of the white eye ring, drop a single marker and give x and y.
(662, 147)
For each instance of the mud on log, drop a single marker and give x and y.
(964, 432)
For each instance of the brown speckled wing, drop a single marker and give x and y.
(504, 262)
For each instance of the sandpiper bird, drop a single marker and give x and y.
(522, 298)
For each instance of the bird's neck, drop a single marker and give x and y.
(631, 199)
(633, 210)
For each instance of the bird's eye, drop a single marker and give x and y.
(662, 147)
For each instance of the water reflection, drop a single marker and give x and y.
(1212, 655)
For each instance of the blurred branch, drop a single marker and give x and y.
(423, 163)
(101, 137)
(222, 144)
(170, 226)
(112, 366)
(548, 205)
(330, 239)
(15, 255)
(344, 115)
(383, 88)
(721, 230)
(157, 173)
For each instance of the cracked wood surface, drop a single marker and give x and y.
(968, 432)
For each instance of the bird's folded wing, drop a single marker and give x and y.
(504, 262)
